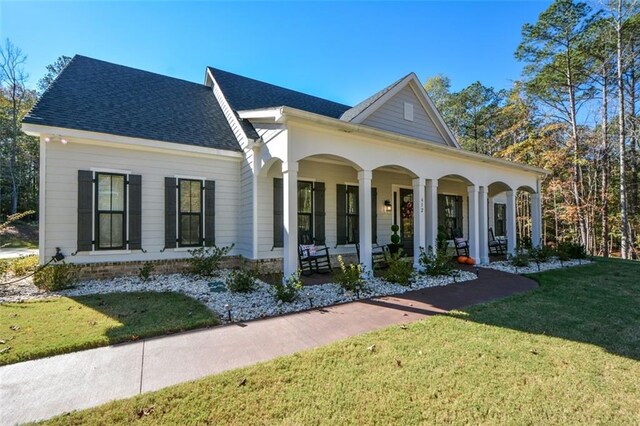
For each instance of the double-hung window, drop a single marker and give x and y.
(352, 215)
(109, 210)
(111, 205)
(190, 212)
(305, 212)
(450, 214)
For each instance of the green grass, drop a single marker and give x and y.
(566, 353)
(55, 326)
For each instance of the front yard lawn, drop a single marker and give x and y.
(43, 328)
(566, 353)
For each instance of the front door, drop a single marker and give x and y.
(406, 220)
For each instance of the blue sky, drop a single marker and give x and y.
(338, 50)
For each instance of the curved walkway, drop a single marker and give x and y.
(39, 389)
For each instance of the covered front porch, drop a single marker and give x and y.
(339, 185)
(330, 200)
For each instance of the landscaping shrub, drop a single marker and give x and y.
(435, 264)
(57, 277)
(4, 266)
(205, 261)
(568, 250)
(242, 280)
(349, 277)
(400, 269)
(145, 271)
(24, 265)
(540, 254)
(520, 258)
(287, 290)
(442, 238)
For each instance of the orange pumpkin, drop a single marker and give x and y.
(462, 259)
(471, 261)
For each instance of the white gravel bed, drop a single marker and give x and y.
(21, 291)
(258, 304)
(553, 263)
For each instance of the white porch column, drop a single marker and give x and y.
(483, 218)
(474, 234)
(511, 222)
(536, 220)
(290, 216)
(419, 220)
(432, 214)
(364, 199)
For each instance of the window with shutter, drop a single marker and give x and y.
(278, 213)
(450, 215)
(110, 212)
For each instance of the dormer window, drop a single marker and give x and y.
(408, 111)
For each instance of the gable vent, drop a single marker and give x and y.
(408, 111)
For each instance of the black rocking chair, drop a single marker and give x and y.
(314, 259)
(379, 259)
(496, 247)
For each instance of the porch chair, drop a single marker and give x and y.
(313, 259)
(379, 259)
(496, 246)
(461, 245)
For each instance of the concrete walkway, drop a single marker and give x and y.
(11, 253)
(40, 389)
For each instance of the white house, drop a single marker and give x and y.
(137, 166)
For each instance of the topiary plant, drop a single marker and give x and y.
(395, 238)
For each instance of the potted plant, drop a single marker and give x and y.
(395, 245)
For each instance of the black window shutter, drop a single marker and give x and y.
(374, 216)
(209, 213)
(170, 212)
(441, 207)
(278, 213)
(85, 210)
(135, 212)
(319, 212)
(341, 209)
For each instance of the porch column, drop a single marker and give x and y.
(483, 217)
(419, 220)
(511, 222)
(536, 220)
(432, 215)
(290, 217)
(474, 234)
(364, 225)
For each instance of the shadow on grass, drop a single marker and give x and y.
(43, 328)
(596, 304)
(148, 314)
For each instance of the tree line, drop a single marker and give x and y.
(19, 153)
(575, 113)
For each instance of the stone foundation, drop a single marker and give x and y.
(106, 270)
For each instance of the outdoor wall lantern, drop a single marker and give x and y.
(63, 141)
(387, 206)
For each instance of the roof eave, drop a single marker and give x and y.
(282, 113)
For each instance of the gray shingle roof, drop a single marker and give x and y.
(102, 97)
(356, 110)
(245, 93)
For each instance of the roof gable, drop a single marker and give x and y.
(98, 96)
(384, 110)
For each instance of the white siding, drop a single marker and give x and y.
(61, 198)
(390, 117)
